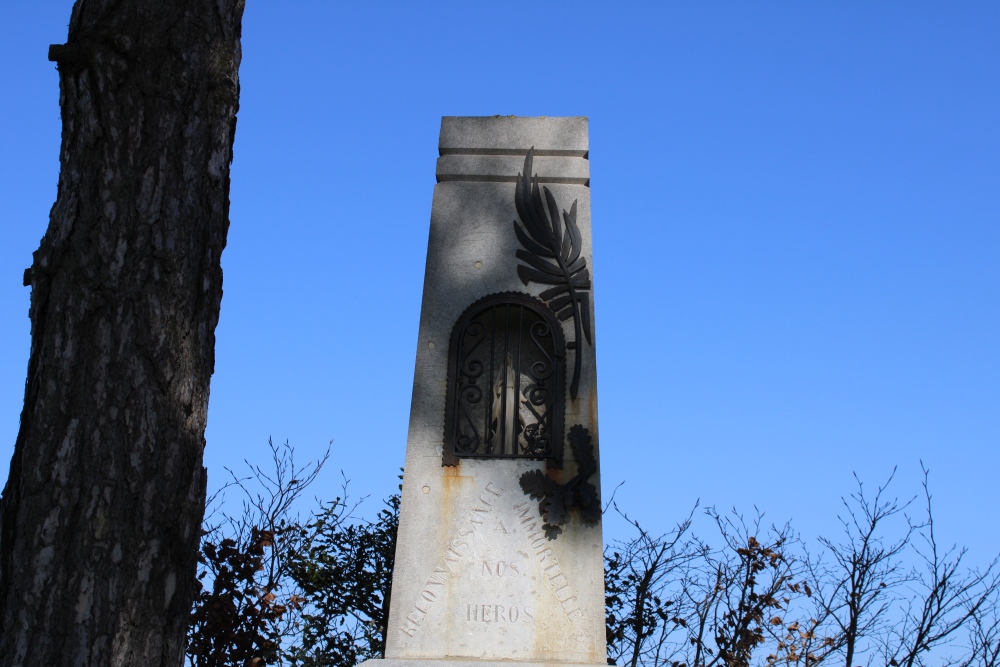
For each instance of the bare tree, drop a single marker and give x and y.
(893, 601)
(984, 635)
(247, 603)
(853, 594)
(673, 600)
(946, 598)
(643, 604)
(743, 594)
(100, 518)
(884, 595)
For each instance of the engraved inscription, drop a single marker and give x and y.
(457, 549)
(501, 568)
(498, 613)
(551, 570)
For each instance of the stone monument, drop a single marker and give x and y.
(499, 552)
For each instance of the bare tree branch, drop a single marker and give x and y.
(945, 597)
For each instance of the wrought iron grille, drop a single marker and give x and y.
(505, 382)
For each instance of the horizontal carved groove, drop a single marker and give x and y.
(504, 169)
(513, 151)
(510, 179)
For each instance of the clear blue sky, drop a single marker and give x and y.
(796, 216)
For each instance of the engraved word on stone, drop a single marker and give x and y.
(456, 550)
(552, 571)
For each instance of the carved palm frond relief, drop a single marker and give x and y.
(551, 252)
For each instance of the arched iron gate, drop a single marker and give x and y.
(506, 381)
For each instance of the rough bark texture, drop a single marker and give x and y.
(100, 518)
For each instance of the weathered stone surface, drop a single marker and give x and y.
(475, 577)
(486, 583)
(514, 135)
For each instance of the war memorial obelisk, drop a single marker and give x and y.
(499, 551)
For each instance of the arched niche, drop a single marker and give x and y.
(506, 382)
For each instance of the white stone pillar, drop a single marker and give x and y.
(476, 578)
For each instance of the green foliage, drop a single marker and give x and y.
(344, 571)
(275, 590)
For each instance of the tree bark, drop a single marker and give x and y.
(101, 515)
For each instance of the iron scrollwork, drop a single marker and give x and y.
(552, 256)
(505, 382)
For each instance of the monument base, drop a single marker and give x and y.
(465, 662)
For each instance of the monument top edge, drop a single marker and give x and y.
(514, 135)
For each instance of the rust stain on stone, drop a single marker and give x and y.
(451, 482)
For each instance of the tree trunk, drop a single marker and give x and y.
(100, 519)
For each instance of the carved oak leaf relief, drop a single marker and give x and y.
(557, 501)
